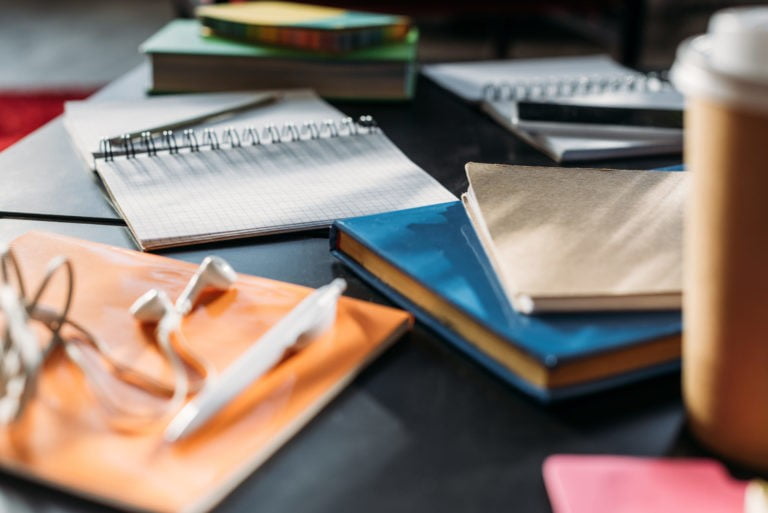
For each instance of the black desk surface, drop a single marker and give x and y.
(423, 428)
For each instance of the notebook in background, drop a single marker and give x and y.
(579, 143)
(663, 96)
(573, 239)
(611, 484)
(429, 261)
(64, 440)
(584, 80)
(303, 26)
(472, 80)
(183, 60)
(88, 122)
(296, 177)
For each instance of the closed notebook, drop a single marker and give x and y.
(430, 261)
(571, 239)
(582, 80)
(65, 440)
(303, 26)
(626, 484)
(182, 60)
(565, 142)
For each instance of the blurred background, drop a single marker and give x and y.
(82, 44)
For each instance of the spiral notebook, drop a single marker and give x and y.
(585, 80)
(87, 122)
(215, 185)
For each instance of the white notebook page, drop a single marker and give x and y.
(170, 200)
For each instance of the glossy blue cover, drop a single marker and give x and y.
(437, 246)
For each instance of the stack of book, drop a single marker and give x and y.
(560, 281)
(274, 45)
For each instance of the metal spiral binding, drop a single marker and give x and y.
(231, 138)
(190, 140)
(129, 146)
(105, 150)
(553, 87)
(130, 149)
(149, 143)
(169, 139)
(210, 139)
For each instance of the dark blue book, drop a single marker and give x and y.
(429, 261)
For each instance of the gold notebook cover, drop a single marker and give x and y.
(565, 239)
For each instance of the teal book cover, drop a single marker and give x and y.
(436, 247)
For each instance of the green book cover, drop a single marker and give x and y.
(184, 37)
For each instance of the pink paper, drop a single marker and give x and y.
(624, 484)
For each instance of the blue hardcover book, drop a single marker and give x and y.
(430, 261)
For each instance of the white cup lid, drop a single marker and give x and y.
(739, 41)
(730, 63)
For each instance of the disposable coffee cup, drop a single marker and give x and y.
(724, 77)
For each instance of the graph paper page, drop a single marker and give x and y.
(171, 200)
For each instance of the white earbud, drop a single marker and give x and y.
(156, 306)
(152, 306)
(213, 272)
(22, 356)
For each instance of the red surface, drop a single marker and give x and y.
(22, 112)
